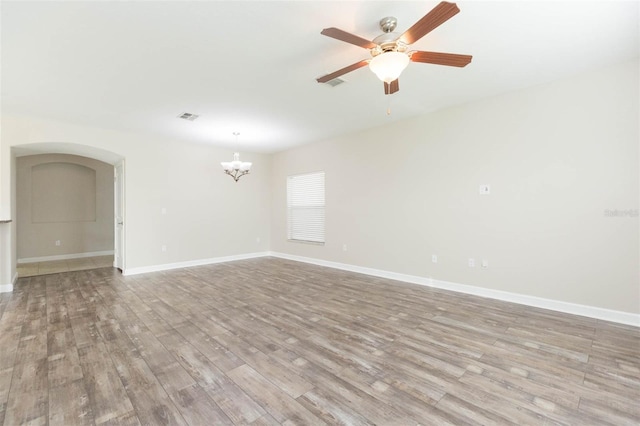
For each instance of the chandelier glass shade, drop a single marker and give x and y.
(236, 168)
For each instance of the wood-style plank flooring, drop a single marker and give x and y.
(269, 342)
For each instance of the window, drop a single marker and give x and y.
(305, 207)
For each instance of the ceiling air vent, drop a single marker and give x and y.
(188, 116)
(335, 82)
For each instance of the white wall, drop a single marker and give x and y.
(208, 214)
(556, 156)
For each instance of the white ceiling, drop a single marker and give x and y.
(251, 66)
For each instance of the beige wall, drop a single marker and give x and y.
(7, 230)
(556, 156)
(207, 215)
(63, 197)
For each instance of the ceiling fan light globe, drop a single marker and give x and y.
(389, 65)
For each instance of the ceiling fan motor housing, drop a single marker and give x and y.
(389, 41)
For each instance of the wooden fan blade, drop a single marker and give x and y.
(432, 20)
(348, 37)
(342, 71)
(450, 59)
(391, 88)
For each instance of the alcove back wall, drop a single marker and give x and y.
(65, 198)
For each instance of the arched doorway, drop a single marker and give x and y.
(114, 164)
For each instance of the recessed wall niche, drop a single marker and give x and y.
(63, 192)
(64, 206)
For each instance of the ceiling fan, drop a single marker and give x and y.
(389, 51)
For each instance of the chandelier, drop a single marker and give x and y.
(236, 168)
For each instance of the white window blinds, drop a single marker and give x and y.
(305, 207)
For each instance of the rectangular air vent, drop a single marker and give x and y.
(188, 116)
(335, 82)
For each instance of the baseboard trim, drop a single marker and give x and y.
(190, 263)
(522, 299)
(8, 288)
(65, 256)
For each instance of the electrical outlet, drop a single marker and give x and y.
(58, 243)
(485, 263)
(472, 262)
(434, 258)
(257, 240)
(163, 210)
(163, 248)
(344, 247)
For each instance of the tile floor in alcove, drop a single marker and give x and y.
(57, 266)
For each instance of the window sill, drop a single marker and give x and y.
(312, 243)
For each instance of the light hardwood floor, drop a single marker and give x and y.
(269, 341)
